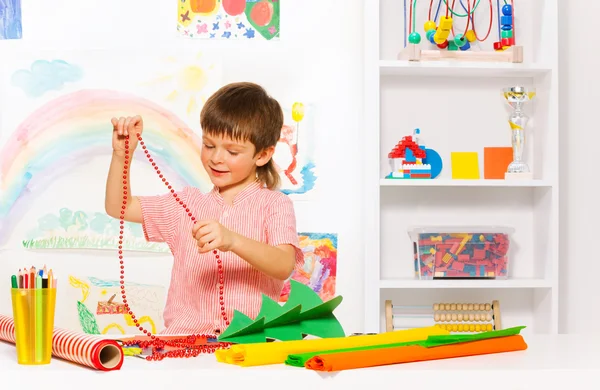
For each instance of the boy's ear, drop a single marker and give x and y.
(264, 156)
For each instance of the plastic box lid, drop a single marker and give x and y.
(414, 231)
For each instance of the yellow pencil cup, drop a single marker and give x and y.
(33, 314)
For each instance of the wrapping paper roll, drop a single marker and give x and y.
(87, 350)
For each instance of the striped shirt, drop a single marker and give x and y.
(192, 305)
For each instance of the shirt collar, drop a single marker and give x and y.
(245, 193)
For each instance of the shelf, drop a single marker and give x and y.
(462, 69)
(462, 183)
(440, 283)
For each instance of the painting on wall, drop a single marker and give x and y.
(294, 155)
(76, 229)
(228, 19)
(10, 19)
(56, 120)
(320, 265)
(100, 308)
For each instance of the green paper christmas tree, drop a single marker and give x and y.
(303, 314)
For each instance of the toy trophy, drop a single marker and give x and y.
(516, 98)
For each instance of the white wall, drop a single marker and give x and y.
(580, 95)
(322, 63)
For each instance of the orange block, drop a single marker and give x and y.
(495, 161)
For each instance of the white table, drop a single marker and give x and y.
(549, 362)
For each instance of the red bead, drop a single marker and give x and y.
(497, 46)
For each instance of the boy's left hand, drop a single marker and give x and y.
(212, 235)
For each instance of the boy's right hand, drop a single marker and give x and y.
(123, 127)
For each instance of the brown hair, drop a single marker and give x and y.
(245, 112)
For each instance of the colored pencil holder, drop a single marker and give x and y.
(33, 313)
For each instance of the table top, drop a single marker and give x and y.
(569, 360)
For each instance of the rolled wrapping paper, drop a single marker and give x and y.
(414, 353)
(87, 350)
(276, 352)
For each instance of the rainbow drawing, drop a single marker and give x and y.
(76, 127)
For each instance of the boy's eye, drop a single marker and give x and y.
(233, 153)
(208, 146)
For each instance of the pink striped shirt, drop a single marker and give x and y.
(193, 299)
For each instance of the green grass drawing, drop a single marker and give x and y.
(70, 229)
(86, 242)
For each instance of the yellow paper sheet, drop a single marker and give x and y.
(257, 354)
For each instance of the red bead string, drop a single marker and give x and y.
(187, 345)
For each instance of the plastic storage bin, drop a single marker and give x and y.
(461, 252)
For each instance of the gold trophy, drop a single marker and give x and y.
(516, 98)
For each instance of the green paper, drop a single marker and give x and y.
(303, 314)
(299, 360)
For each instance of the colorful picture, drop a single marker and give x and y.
(56, 131)
(228, 19)
(69, 229)
(320, 265)
(100, 308)
(10, 19)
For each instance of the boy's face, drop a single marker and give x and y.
(231, 163)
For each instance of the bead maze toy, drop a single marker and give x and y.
(444, 43)
(411, 160)
(453, 317)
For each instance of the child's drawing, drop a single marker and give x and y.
(100, 308)
(10, 19)
(294, 154)
(320, 265)
(76, 229)
(228, 19)
(56, 119)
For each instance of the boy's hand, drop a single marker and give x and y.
(123, 127)
(212, 235)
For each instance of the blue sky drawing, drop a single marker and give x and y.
(10, 19)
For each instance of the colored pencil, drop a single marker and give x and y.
(39, 316)
(13, 281)
(50, 279)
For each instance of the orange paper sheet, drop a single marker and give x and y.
(380, 357)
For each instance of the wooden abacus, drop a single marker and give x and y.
(454, 317)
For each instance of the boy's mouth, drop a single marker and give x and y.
(217, 172)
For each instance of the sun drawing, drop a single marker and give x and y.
(186, 81)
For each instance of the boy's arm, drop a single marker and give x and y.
(281, 254)
(114, 192)
(276, 261)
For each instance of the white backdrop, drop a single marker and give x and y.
(317, 60)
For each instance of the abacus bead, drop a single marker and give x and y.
(507, 10)
(443, 45)
(460, 41)
(506, 26)
(505, 42)
(507, 34)
(466, 46)
(414, 37)
(452, 46)
(429, 25)
(497, 46)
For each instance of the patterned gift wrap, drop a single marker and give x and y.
(87, 350)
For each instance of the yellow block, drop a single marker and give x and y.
(258, 354)
(465, 165)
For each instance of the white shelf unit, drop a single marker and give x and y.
(458, 106)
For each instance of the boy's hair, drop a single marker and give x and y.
(245, 112)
